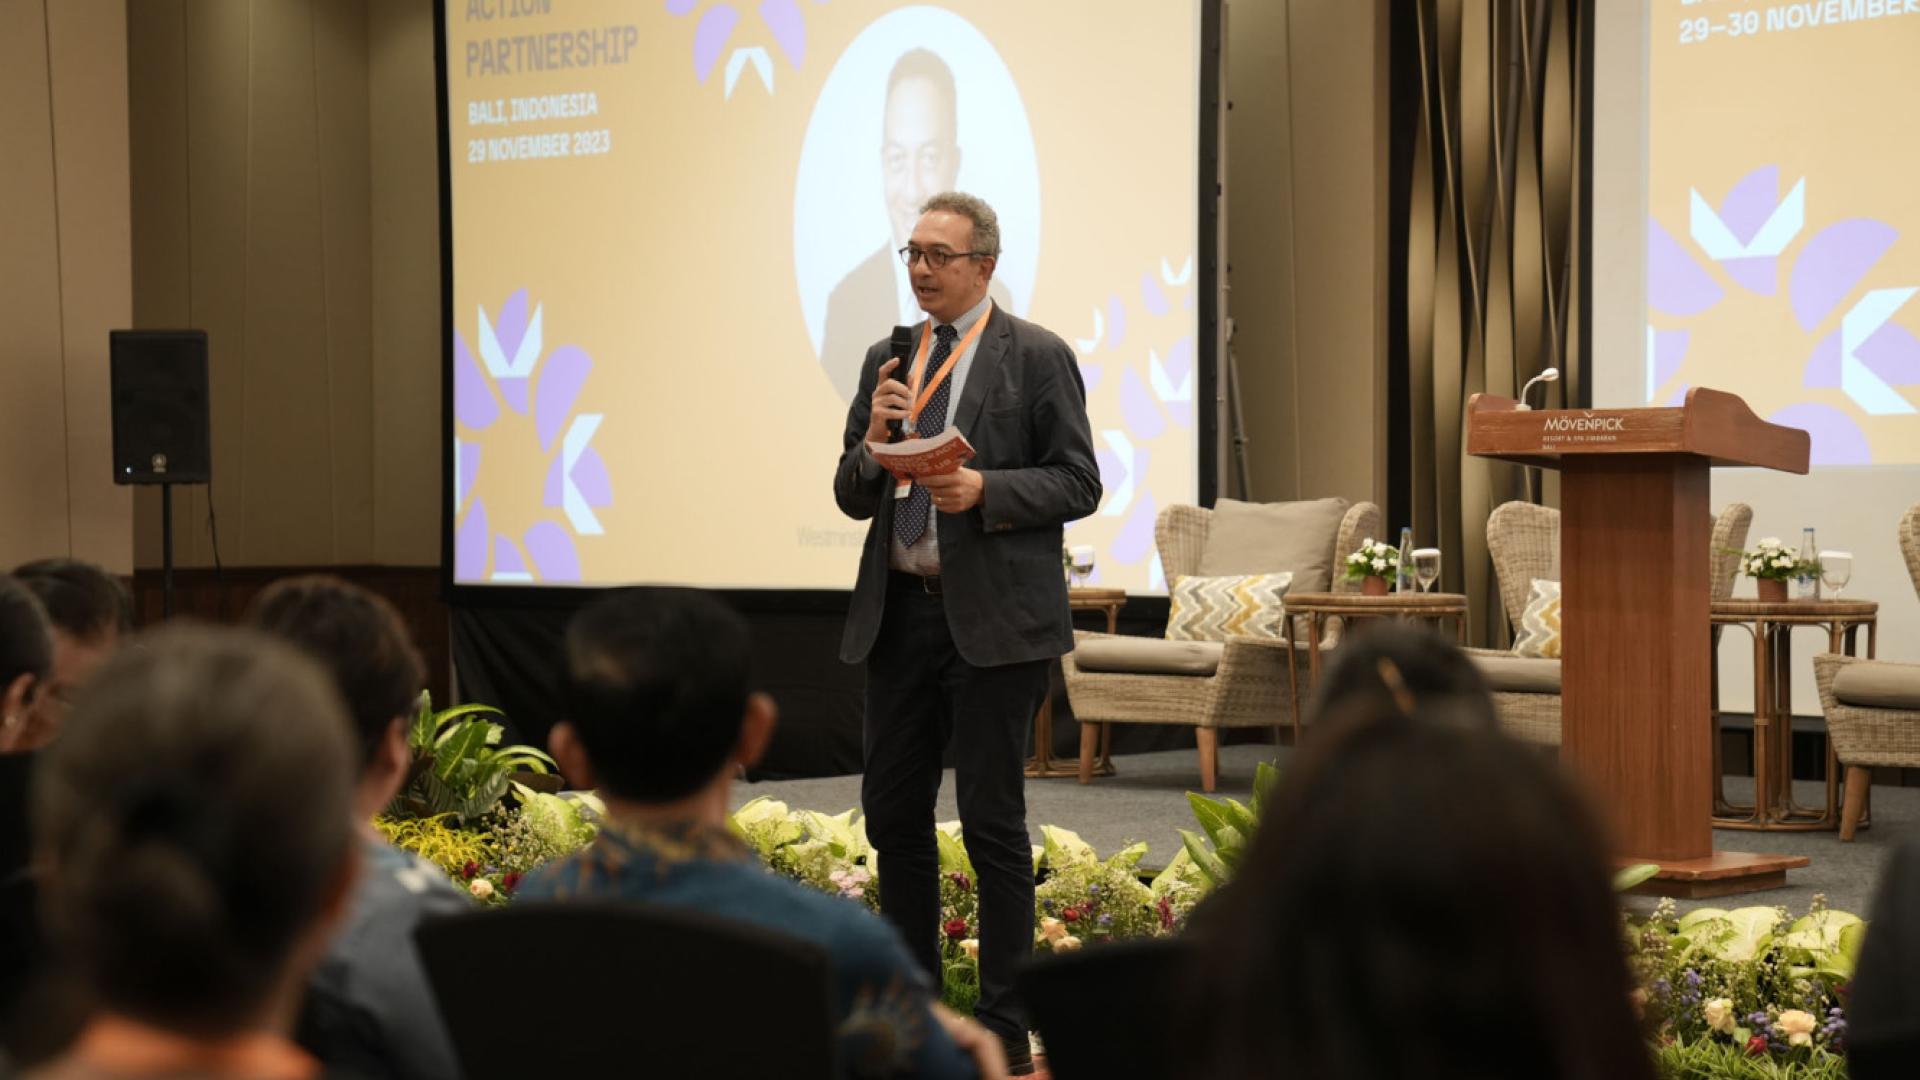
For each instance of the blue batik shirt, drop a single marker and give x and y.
(881, 996)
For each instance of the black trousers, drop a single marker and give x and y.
(921, 697)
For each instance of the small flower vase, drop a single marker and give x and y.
(1374, 585)
(1772, 590)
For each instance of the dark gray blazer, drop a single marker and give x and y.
(1024, 409)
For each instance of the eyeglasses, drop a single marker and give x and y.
(936, 259)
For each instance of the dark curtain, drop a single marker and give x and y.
(1490, 109)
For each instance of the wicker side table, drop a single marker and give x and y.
(1042, 763)
(1771, 623)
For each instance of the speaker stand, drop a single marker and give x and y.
(166, 551)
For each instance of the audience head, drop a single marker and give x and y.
(91, 613)
(1387, 665)
(193, 820)
(1422, 899)
(26, 660)
(360, 641)
(657, 704)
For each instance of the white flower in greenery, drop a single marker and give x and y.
(1052, 929)
(971, 946)
(1066, 944)
(1379, 564)
(1770, 542)
(1367, 543)
(1783, 562)
(1797, 1026)
(1719, 1015)
(481, 888)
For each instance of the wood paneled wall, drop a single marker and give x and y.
(64, 266)
(284, 199)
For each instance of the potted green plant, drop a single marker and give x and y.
(1771, 566)
(1373, 564)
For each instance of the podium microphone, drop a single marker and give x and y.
(1552, 374)
(899, 346)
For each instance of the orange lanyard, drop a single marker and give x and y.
(920, 365)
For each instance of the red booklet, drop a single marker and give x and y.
(935, 455)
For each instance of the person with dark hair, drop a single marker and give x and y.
(1883, 1007)
(1384, 664)
(91, 613)
(193, 822)
(1422, 899)
(658, 715)
(369, 1007)
(26, 660)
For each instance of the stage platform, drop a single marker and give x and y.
(1147, 801)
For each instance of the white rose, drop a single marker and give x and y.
(1066, 944)
(1719, 1014)
(1797, 1026)
(971, 946)
(481, 888)
(1052, 929)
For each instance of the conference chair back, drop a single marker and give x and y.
(1112, 1010)
(583, 989)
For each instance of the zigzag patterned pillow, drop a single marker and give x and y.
(1217, 608)
(1540, 623)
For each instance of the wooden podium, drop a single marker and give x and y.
(1634, 566)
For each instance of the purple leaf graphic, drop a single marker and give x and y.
(1134, 542)
(1675, 283)
(681, 7)
(1760, 274)
(710, 38)
(1116, 321)
(1823, 367)
(1892, 353)
(1152, 296)
(473, 406)
(590, 477)
(1137, 408)
(470, 545)
(1832, 263)
(789, 27)
(468, 455)
(514, 390)
(1837, 440)
(1669, 350)
(1751, 202)
(552, 552)
(1090, 376)
(511, 327)
(506, 557)
(561, 377)
(1113, 471)
(1179, 360)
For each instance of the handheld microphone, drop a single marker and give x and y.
(1549, 375)
(899, 346)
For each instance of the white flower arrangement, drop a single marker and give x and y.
(1773, 561)
(1373, 559)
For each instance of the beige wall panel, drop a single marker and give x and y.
(1260, 248)
(406, 284)
(217, 78)
(87, 45)
(33, 478)
(285, 423)
(1339, 246)
(340, 79)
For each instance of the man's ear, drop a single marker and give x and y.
(16, 706)
(756, 730)
(563, 742)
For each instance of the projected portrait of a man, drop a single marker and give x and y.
(919, 156)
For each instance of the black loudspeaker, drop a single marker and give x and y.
(161, 433)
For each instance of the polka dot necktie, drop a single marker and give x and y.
(916, 510)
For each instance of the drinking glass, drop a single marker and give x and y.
(1836, 569)
(1426, 567)
(1080, 562)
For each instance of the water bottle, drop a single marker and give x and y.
(1403, 580)
(1806, 583)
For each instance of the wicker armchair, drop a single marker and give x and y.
(1872, 706)
(1524, 541)
(1208, 685)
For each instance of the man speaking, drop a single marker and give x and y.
(960, 604)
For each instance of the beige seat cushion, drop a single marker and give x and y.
(1266, 538)
(1879, 685)
(1519, 674)
(1148, 656)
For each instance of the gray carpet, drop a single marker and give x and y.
(1147, 801)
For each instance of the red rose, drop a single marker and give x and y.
(956, 928)
(511, 881)
(1757, 1046)
(469, 870)
(1072, 914)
